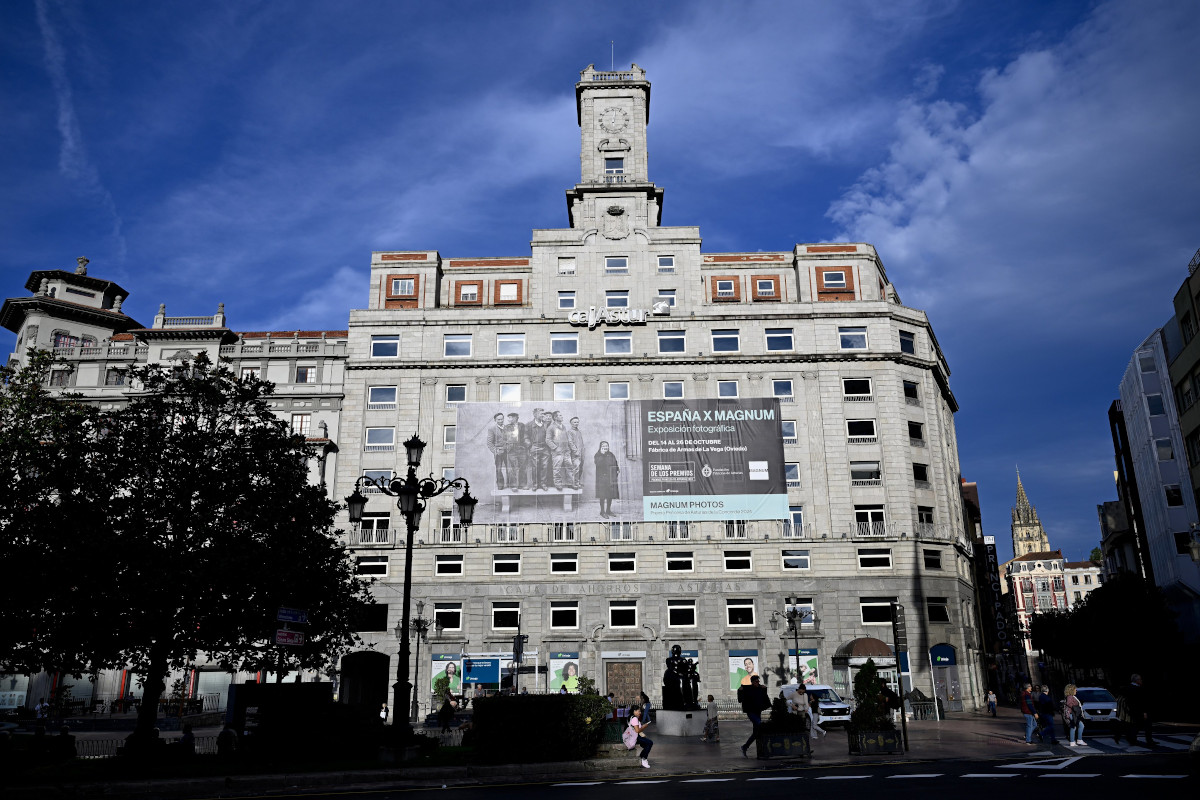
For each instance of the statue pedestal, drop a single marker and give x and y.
(679, 723)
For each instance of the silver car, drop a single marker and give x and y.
(1099, 706)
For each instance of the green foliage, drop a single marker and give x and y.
(537, 727)
(870, 709)
(587, 685)
(440, 685)
(1097, 554)
(781, 721)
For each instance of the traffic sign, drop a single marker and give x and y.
(295, 615)
(294, 638)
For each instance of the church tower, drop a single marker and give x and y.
(1028, 535)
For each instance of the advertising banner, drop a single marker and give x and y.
(564, 671)
(446, 664)
(743, 664)
(13, 690)
(623, 460)
(808, 664)
(482, 670)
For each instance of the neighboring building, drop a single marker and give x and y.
(1036, 583)
(1080, 578)
(1123, 538)
(995, 629)
(1118, 540)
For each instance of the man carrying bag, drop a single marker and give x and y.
(754, 701)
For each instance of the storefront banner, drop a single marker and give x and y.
(743, 664)
(564, 671)
(635, 460)
(808, 664)
(446, 664)
(482, 670)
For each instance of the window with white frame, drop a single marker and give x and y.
(564, 344)
(449, 615)
(564, 531)
(833, 279)
(680, 561)
(861, 431)
(868, 520)
(301, 423)
(876, 610)
(252, 372)
(371, 565)
(456, 393)
(510, 344)
(456, 345)
(726, 340)
(374, 527)
(856, 389)
(677, 529)
(727, 388)
(448, 564)
(735, 529)
(506, 615)
(306, 374)
(618, 390)
(791, 474)
(566, 300)
(681, 613)
(672, 390)
(403, 286)
(614, 166)
(620, 531)
(805, 609)
(725, 288)
(616, 298)
(381, 398)
(795, 559)
(787, 428)
(794, 526)
(783, 390)
(508, 292)
(564, 392)
(383, 476)
(672, 341)
(764, 287)
(938, 610)
(865, 473)
(564, 562)
(506, 563)
(668, 296)
(114, 376)
(737, 561)
(380, 440)
(564, 613)
(622, 562)
(449, 435)
(616, 265)
(874, 558)
(468, 292)
(739, 613)
(852, 337)
(666, 265)
(1164, 450)
(622, 613)
(780, 340)
(617, 343)
(566, 266)
(447, 473)
(385, 346)
(510, 393)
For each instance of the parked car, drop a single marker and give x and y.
(1099, 705)
(834, 710)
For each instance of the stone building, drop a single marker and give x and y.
(1028, 535)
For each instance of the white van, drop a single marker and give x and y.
(833, 710)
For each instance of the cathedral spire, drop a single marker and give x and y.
(1028, 534)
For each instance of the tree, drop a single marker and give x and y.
(1097, 555)
(207, 525)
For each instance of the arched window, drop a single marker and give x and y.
(65, 339)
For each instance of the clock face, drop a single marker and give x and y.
(613, 120)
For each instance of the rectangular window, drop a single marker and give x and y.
(616, 265)
(671, 341)
(783, 390)
(726, 341)
(666, 265)
(727, 388)
(1154, 403)
(448, 565)
(793, 527)
(725, 289)
(681, 613)
(564, 344)
(764, 287)
(856, 389)
(911, 395)
(618, 391)
(564, 531)
(456, 345)
(380, 440)
(737, 561)
(916, 434)
(618, 343)
(908, 342)
(667, 296)
(868, 521)
(403, 287)
(252, 372)
(787, 428)
(566, 266)
(506, 563)
(1087, 579)
(510, 344)
(622, 562)
(508, 292)
(385, 346)
(833, 280)
(301, 423)
(865, 473)
(564, 613)
(622, 613)
(678, 530)
(564, 392)
(614, 166)
(1146, 362)
(383, 476)
(672, 390)
(1075, 580)
(938, 609)
(564, 562)
(933, 558)
(1165, 451)
(616, 298)
(620, 531)
(456, 393)
(779, 340)
(791, 474)
(680, 561)
(925, 518)
(506, 615)
(510, 393)
(468, 292)
(306, 374)
(566, 300)
(1174, 494)
(449, 433)
(852, 338)
(114, 377)
(860, 431)
(371, 565)
(806, 611)
(449, 615)
(921, 474)
(876, 610)
(739, 613)
(735, 529)
(874, 558)
(795, 559)
(381, 398)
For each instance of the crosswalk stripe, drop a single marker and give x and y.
(707, 780)
(919, 775)
(782, 778)
(1170, 745)
(587, 783)
(1071, 775)
(990, 775)
(842, 777)
(634, 783)
(1153, 776)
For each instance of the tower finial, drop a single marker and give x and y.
(82, 268)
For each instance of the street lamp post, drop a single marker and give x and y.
(795, 617)
(410, 491)
(420, 626)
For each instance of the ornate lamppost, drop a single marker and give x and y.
(795, 616)
(410, 492)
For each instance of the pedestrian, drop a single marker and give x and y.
(633, 736)
(647, 708)
(383, 714)
(1029, 712)
(42, 709)
(227, 741)
(187, 742)
(63, 745)
(1137, 712)
(712, 729)
(446, 712)
(1073, 717)
(754, 701)
(991, 702)
(1046, 712)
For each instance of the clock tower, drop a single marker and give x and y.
(613, 109)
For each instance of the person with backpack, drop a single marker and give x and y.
(1073, 717)
(632, 736)
(754, 701)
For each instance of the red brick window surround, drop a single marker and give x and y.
(467, 293)
(725, 288)
(767, 288)
(402, 290)
(508, 293)
(835, 283)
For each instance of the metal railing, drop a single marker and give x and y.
(374, 537)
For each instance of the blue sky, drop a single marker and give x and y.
(1028, 171)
